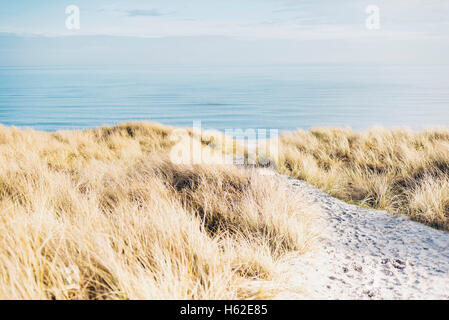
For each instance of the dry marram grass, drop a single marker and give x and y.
(102, 214)
(398, 170)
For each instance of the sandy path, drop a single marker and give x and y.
(369, 254)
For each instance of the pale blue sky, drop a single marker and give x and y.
(289, 31)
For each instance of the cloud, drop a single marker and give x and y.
(146, 13)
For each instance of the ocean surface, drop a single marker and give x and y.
(272, 97)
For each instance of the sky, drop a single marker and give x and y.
(224, 32)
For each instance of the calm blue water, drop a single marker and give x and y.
(288, 97)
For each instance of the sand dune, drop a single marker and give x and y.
(368, 254)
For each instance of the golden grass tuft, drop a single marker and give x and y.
(103, 214)
(399, 170)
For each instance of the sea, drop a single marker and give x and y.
(285, 97)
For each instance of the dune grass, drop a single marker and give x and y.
(398, 170)
(103, 214)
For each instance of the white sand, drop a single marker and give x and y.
(368, 254)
